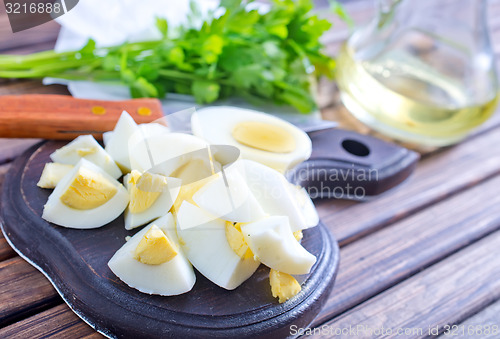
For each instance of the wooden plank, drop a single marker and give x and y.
(450, 171)
(383, 259)
(448, 292)
(57, 322)
(485, 324)
(23, 291)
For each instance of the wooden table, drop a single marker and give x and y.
(416, 259)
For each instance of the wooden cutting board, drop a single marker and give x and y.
(75, 261)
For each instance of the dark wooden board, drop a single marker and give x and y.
(76, 263)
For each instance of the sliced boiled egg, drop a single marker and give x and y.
(207, 248)
(175, 155)
(86, 197)
(52, 173)
(305, 204)
(86, 147)
(273, 243)
(152, 261)
(260, 137)
(117, 142)
(228, 197)
(151, 196)
(272, 191)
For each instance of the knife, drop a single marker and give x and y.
(343, 164)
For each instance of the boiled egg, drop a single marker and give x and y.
(151, 196)
(305, 205)
(207, 247)
(272, 242)
(175, 155)
(260, 137)
(86, 197)
(272, 191)
(152, 261)
(117, 142)
(52, 173)
(86, 147)
(228, 196)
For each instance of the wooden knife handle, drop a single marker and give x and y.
(64, 117)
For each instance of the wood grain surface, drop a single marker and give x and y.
(424, 254)
(432, 294)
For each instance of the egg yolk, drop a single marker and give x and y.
(144, 190)
(264, 136)
(86, 151)
(155, 248)
(283, 286)
(88, 190)
(298, 235)
(237, 241)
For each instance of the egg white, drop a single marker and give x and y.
(272, 191)
(272, 241)
(58, 213)
(215, 125)
(306, 205)
(117, 142)
(228, 197)
(69, 155)
(207, 248)
(170, 278)
(165, 152)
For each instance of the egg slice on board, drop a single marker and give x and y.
(86, 147)
(207, 248)
(228, 196)
(272, 191)
(272, 241)
(87, 197)
(175, 155)
(260, 137)
(151, 196)
(117, 142)
(305, 204)
(52, 173)
(152, 262)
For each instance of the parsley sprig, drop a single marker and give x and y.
(263, 57)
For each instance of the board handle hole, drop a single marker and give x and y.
(356, 148)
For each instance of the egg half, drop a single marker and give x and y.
(260, 137)
(86, 197)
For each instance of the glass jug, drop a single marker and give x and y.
(422, 71)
